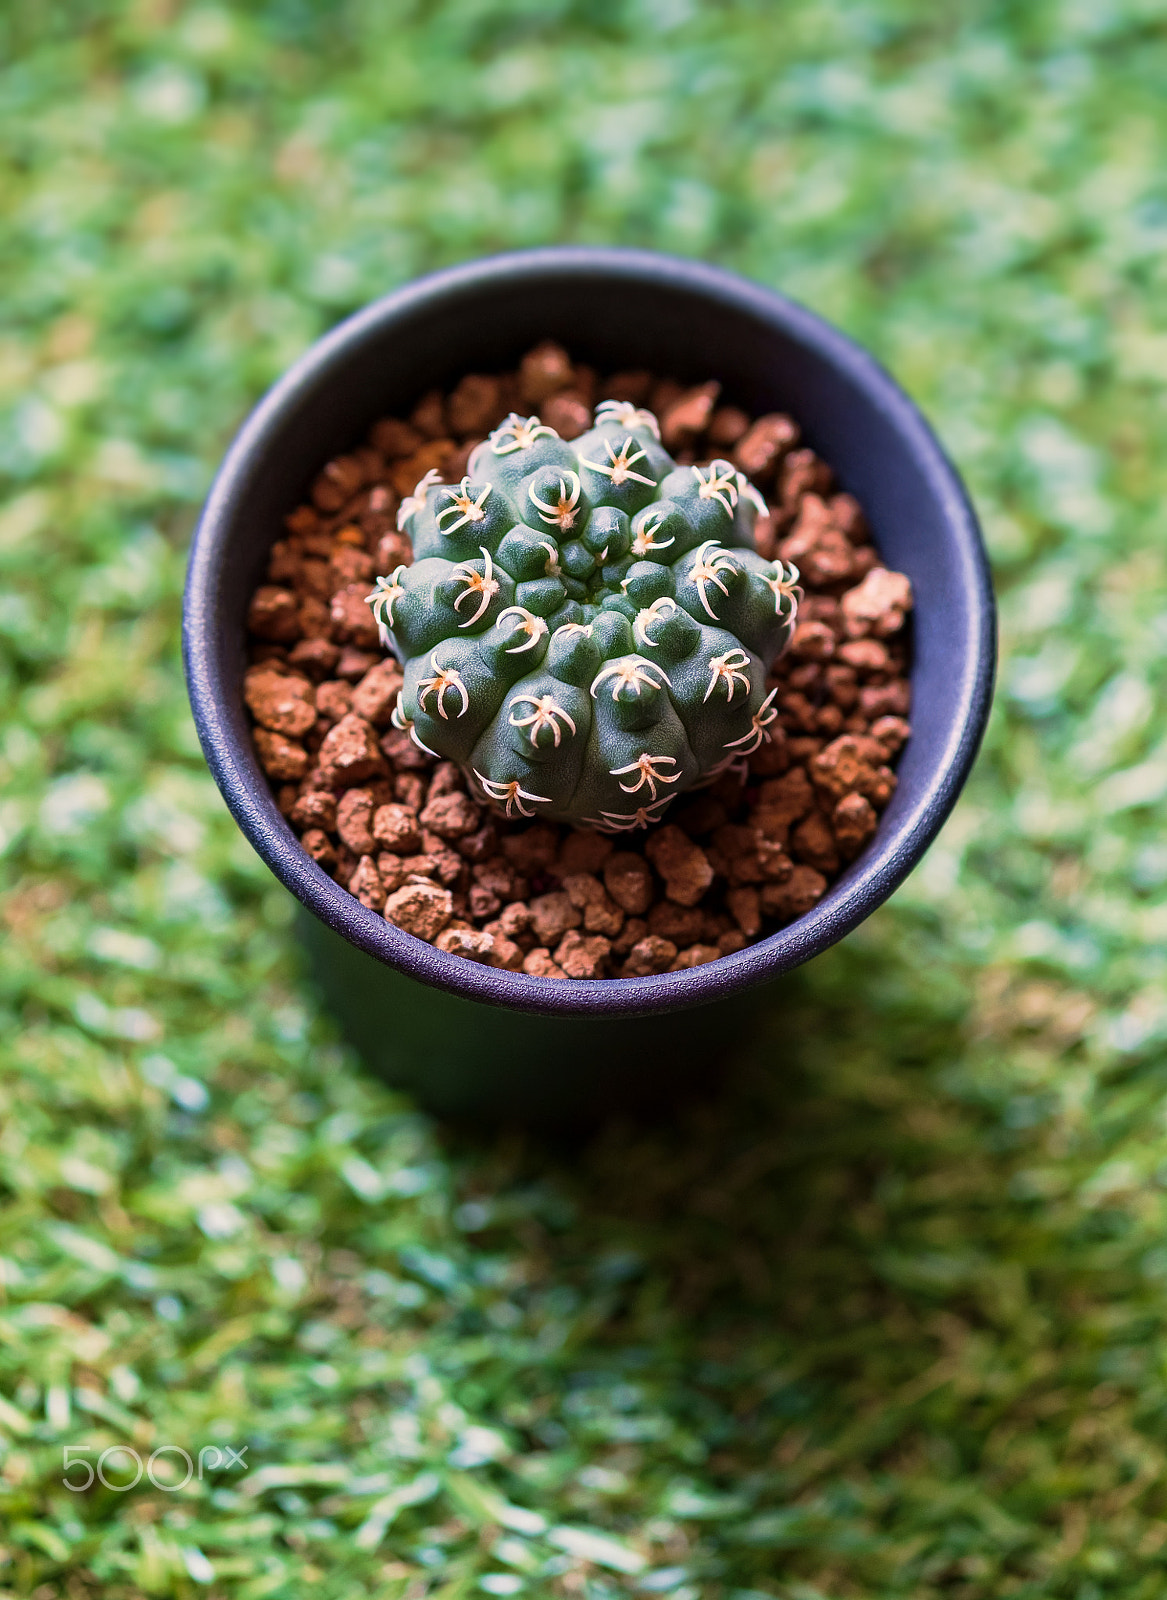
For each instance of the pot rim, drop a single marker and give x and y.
(872, 879)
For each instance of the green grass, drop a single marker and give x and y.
(889, 1319)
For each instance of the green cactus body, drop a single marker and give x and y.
(586, 627)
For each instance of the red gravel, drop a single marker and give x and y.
(731, 864)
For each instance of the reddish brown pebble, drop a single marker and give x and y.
(682, 864)
(798, 713)
(539, 964)
(376, 693)
(352, 620)
(684, 925)
(479, 845)
(534, 849)
(280, 702)
(313, 619)
(350, 751)
(731, 942)
(395, 439)
(544, 371)
(649, 955)
(688, 415)
(631, 933)
(664, 393)
(801, 473)
(396, 827)
(319, 846)
(841, 683)
(473, 408)
(745, 907)
(316, 657)
(628, 880)
(348, 564)
(429, 415)
(851, 762)
(366, 884)
(891, 733)
(354, 663)
(316, 578)
(316, 809)
(303, 520)
(877, 605)
(471, 943)
(847, 515)
(420, 869)
(483, 902)
(403, 753)
(773, 758)
(866, 655)
(420, 908)
(583, 384)
(776, 865)
(812, 641)
(567, 414)
(392, 870)
(280, 758)
(886, 699)
(583, 957)
(274, 614)
(763, 443)
(634, 386)
(551, 916)
(815, 546)
(771, 823)
(799, 894)
(432, 457)
(695, 956)
(334, 699)
(505, 953)
(451, 815)
(444, 864)
(497, 875)
(346, 865)
(394, 549)
(516, 919)
(600, 912)
(766, 536)
(447, 778)
(339, 481)
(582, 852)
(409, 790)
(354, 815)
(813, 842)
(736, 849)
(726, 426)
(854, 821)
(788, 798)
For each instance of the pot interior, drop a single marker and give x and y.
(613, 310)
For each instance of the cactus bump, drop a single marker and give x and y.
(586, 627)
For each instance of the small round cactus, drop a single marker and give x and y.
(586, 627)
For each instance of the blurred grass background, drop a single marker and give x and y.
(889, 1318)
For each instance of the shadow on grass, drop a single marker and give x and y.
(770, 1189)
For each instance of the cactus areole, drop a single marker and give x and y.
(586, 627)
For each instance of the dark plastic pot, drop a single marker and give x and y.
(557, 1048)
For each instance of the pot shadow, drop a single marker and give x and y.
(490, 1067)
(756, 1207)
